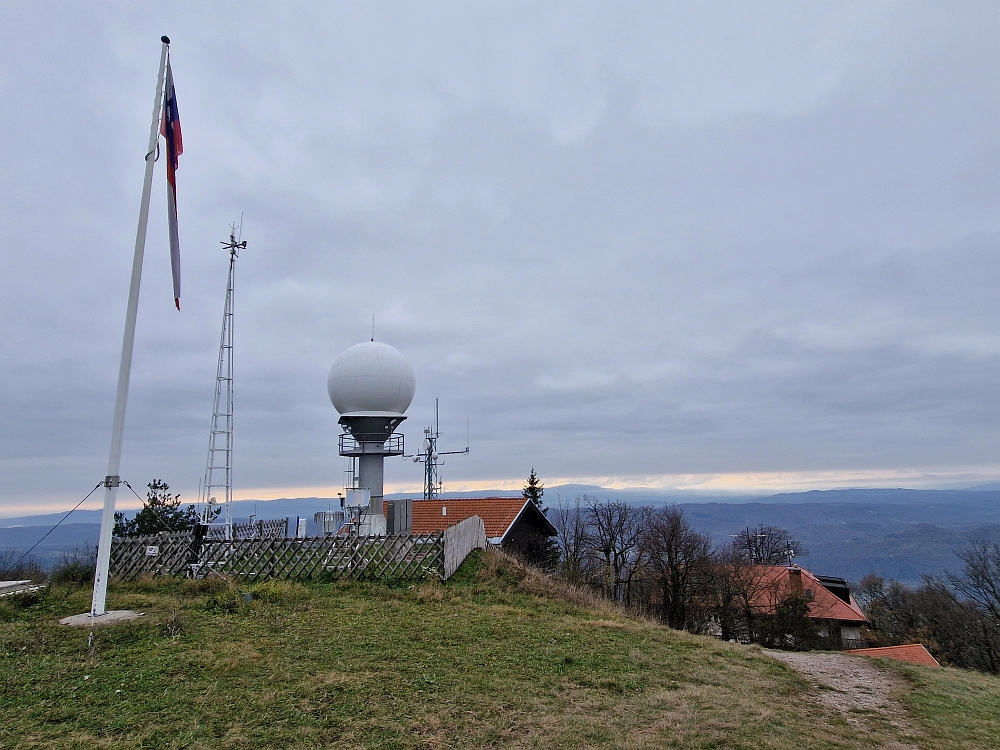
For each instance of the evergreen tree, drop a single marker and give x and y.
(534, 490)
(542, 550)
(161, 512)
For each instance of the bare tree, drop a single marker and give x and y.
(885, 604)
(616, 531)
(956, 631)
(980, 582)
(14, 566)
(768, 545)
(676, 559)
(736, 587)
(961, 631)
(570, 521)
(980, 577)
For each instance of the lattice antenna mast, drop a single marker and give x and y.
(430, 456)
(219, 466)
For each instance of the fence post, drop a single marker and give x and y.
(196, 540)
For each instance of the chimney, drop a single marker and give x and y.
(795, 580)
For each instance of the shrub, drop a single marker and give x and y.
(25, 599)
(210, 585)
(228, 600)
(174, 625)
(161, 511)
(16, 567)
(75, 567)
(276, 591)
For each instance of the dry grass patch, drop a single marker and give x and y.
(431, 592)
(499, 567)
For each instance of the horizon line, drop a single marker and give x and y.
(720, 485)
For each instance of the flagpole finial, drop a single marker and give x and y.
(165, 39)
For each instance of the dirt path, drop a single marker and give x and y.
(855, 687)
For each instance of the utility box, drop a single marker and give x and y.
(329, 522)
(358, 498)
(399, 517)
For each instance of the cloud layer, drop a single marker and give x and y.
(660, 241)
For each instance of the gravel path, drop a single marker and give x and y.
(855, 687)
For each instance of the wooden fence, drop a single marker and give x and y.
(409, 557)
(459, 540)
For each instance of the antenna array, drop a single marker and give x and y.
(430, 456)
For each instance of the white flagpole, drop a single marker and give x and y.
(111, 481)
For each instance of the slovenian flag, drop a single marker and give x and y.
(170, 129)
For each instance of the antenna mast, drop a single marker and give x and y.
(429, 456)
(219, 466)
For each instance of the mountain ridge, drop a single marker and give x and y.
(901, 540)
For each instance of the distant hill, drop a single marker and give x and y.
(63, 539)
(898, 533)
(885, 496)
(854, 539)
(982, 487)
(878, 496)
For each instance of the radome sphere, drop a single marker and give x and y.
(371, 379)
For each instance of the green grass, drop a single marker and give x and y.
(498, 657)
(952, 707)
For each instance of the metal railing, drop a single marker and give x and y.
(375, 443)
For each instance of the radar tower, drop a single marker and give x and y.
(371, 385)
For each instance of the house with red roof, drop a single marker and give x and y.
(512, 523)
(830, 604)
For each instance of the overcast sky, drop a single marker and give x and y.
(717, 246)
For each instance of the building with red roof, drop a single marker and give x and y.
(512, 523)
(830, 603)
(914, 653)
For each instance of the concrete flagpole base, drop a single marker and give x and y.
(113, 617)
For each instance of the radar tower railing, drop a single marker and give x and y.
(351, 444)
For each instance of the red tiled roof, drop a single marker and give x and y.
(914, 653)
(776, 583)
(498, 513)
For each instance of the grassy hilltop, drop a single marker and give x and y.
(497, 657)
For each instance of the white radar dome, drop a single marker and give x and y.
(371, 379)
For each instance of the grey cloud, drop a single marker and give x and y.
(665, 239)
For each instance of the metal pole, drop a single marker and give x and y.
(111, 481)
